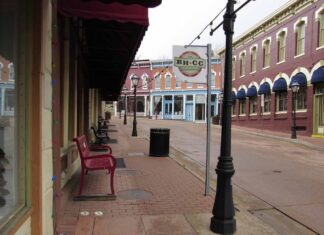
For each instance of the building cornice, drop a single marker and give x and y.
(283, 13)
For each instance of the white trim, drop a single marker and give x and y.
(266, 67)
(242, 86)
(281, 112)
(268, 80)
(283, 61)
(296, 56)
(254, 46)
(282, 75)
(280, 31)
(264, 41)
(316, 66)
(318, 12)
(301, 70)
(319, 48)
(254, 84)
(301, 110)
(300, 19)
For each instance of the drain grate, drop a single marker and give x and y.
(134, 194)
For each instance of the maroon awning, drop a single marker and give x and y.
(106, 12)
(145, 3)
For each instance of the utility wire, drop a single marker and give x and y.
(210, 24)
(239, 8)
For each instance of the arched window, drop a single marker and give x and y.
(281, 46)
(242, 64)
(167, 81)
(253, 59)
(178, 82)
(158, 81)
(321, 29)
(213, 79)
(11, 71)
(144, 81)
(300, 38)
(266, 53)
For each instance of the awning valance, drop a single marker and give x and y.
(300, 78)
(241, 95)
(264, 89)
(318, 76)
(106, 12)
(252, 91)
(145, 3)
(279, 85)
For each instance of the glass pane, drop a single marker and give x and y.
(12, 168)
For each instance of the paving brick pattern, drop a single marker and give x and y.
(174, 190)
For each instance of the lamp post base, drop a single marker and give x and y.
(222, 226)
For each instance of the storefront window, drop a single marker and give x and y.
(267, 103)
(12, 136)
(157, 105)
(178, 105)
(242, 107)
(281, 101)
(200, 107)
(301, 101)
(253, 104)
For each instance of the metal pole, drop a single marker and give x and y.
(293, 128)
(223, 220)
(134, 133)
(207, 181)
(125, 107)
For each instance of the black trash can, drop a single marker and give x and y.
(159, 142)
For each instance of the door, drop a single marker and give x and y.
(167, 109)
(189, 112)
(319, 114)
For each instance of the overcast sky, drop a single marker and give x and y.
(178, 22)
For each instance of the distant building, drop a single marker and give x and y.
(161, 96)
(286, 47)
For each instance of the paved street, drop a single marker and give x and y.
(286, 175)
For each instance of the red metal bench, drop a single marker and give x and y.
(91, 161)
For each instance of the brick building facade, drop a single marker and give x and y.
(286, 47)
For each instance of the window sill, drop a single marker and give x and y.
(242, 76)
(264, 68)
(301, 111)
(253, 72)
(281, 62)
(296, 56)
(320, 47)
(281, 112)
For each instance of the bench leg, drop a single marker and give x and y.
(81, 182)
(112, 181)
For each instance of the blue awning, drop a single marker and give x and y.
(252, 91)
(233, 95)
(300, 78)
(318, 75)
(264, 89)
(279, 85)
(241, 94)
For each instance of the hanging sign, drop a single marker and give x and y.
(190, 63)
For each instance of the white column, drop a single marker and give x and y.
(172, 107)
(145, 104)
(162, 108)
(194, 108)
(184, 106)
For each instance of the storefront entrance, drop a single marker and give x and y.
(319, 111)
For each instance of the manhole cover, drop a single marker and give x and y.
(129, 172)
(134, 194)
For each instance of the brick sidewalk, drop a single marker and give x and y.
(167, 188)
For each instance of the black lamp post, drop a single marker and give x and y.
(135, 79)
(223, 220)
(220, 100)
(125, 106)
(294, 88)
